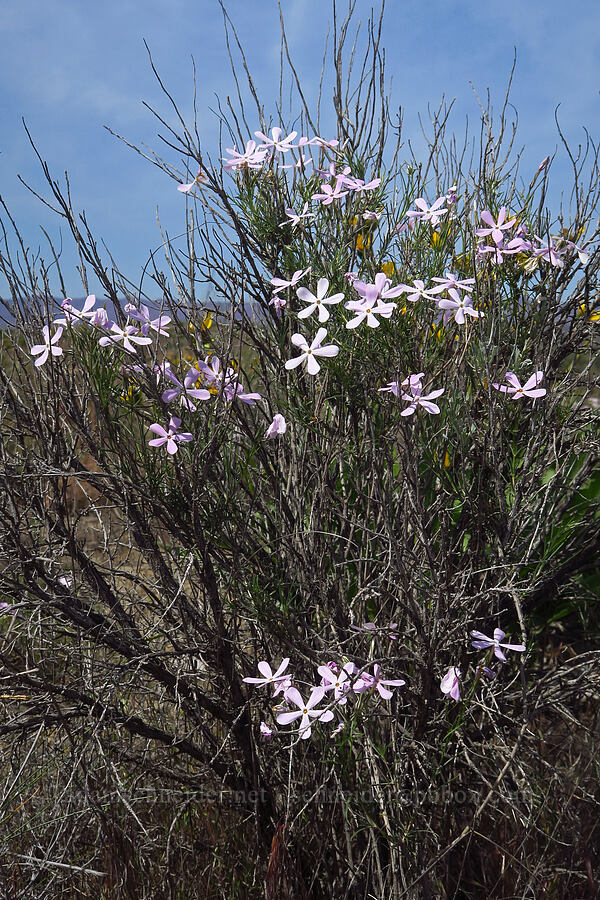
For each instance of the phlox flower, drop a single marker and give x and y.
(416, 291)
(305, 712)
(456, 307)
(329, 194)
(426, 213)
(416, 398)
(199, 180)
(265, 732)
(211, 370)
(294, 218)
(529, 389)
(251, 158)
(409, 384)
(318, 301)
(234, 390)
(277, 426)
(278, 302)
(548, 252)
(172, 437)
(364, 309)
(318, 142)
(42, 351)
(371, 216)
(143, 316)
(358, 184)
(276, 142)
(450, 280)
(338, 682)
(186, 390)
(483, 642)
(99, 318)
(71, 314)
(381, 289)
(309, 352)
(376, 682)
(582, 253)
(128, 335)
(495, 229)
(450, 683)
(280, 284)
(268, 676)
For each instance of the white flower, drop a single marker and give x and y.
(318, 301)
(310, 352)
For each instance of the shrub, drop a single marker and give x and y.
(374, 434)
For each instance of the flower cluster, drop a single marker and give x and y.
(339, 684)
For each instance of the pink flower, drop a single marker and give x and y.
(416, 398)
(456, 307)
(306, 711)
(42, 351)
(450, 683)
(495, 228)
(550, 253)
(426, 213)
(128, 335)
(277, 426)
(72, 315)
(265, 732)
(416, 291)
(483, 642)
(268, 676)
(329, 194)
(252, 158)
(318, 302)
(199, 180)
(529, 389)
(411, 383)
(276, 142)
(365, 309)
(294, 218)
(381, 289)
(338, 682)
(280, 284)
(376, 682)
(172, 437)
(310, 352)
(450, 280)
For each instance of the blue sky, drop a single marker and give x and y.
(69, 67)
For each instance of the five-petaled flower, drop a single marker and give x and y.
(365, 309)
(318, 301)
(483, 642)
(337, 681)
(376, 682)
(128, 335)
(306, 710)
(172, 437)
(268, 676)
(426, 213)
(280, 284)
(456, 307)
(48, 347)
(417, 398)
(518, 391)
(311, 351)
(496, 228)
